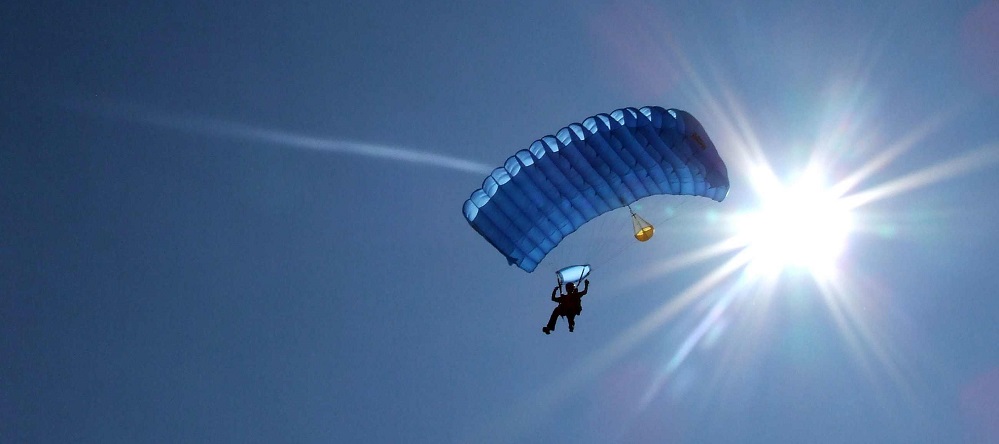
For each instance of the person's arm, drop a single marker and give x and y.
(586, 286)
(557, 287)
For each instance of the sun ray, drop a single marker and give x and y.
(707, 323)
(665, 312)
(733, 124)
(730, 116)
(687, 259)
(602, 358)
(833, 294)
(848, 105)
(840, 297)
(545, 400)
(979, 158)
(890, 153)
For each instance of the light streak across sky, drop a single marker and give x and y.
(239, 131)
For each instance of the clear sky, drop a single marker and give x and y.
(242, 223)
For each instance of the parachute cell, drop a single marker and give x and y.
(544, 193)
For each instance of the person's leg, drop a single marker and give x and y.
(572, 321)
(551, 322)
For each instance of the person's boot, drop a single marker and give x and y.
(571, 328)
(546, 330)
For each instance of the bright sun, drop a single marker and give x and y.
(798, 226)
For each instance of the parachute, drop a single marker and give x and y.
(546, 192)
(572, 274)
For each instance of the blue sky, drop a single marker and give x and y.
(242, 223)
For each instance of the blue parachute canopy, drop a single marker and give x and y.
(572, 274)
(544, 193)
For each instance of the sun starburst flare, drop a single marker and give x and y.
(801, 225)
(804, 225)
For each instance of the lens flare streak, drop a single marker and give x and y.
(234, 130)
(979, 158)
(825, 225)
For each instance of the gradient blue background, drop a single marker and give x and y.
(170, 283)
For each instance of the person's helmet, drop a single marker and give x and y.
(570, 287)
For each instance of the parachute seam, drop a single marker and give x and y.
(490, 220)
(623, 192)
(530, 212)
(566, 171)
(580, 162)
(624, 140)
(650, 168)
(502, 206)
(545, 189)
(542, 195)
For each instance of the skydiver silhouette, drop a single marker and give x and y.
(570, 305)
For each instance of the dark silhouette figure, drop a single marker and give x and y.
(569, 305)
